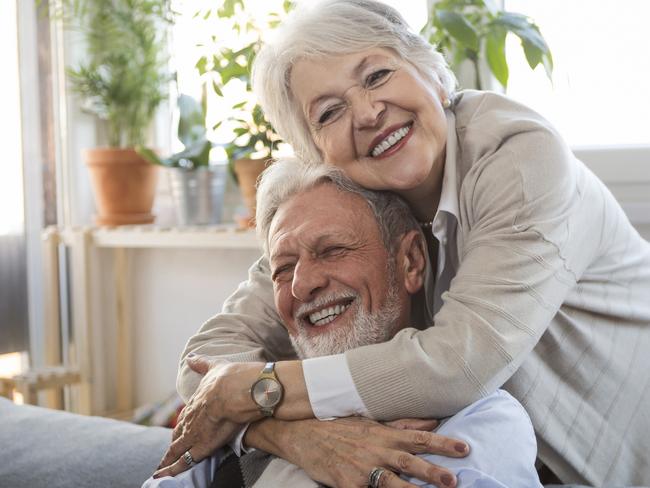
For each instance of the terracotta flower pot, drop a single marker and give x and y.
(248, 171)
(124, 185)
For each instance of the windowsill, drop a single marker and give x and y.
(151, 236)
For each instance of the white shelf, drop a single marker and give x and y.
(150, 236)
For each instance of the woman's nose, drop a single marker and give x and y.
(308, 279)
(367, 111)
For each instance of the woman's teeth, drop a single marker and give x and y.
(325, 316)
(390, 141)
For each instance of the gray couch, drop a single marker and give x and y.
(42, 448)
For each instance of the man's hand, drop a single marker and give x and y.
(342, 452)
(209, 420)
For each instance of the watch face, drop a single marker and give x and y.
(267, 393)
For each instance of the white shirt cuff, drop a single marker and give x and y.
(237, 443)
(330, 388)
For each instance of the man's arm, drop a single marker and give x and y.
(503, 444)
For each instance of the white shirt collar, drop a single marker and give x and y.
(449, 192)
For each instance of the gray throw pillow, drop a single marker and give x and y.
(40, 447)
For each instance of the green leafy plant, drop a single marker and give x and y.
(475, 29)
(124, 79)
(253, 134)
(191, 132)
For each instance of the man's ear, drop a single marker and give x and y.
(412, 260)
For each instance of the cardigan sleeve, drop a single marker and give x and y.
(247, 329)
(525, 236)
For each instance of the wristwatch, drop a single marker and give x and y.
(267, 390)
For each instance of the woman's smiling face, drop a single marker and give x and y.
(376, 117)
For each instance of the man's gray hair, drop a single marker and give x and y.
(288, 177)
(331, 28)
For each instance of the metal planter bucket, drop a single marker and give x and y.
(198, 194)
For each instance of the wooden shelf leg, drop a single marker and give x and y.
(124, 394)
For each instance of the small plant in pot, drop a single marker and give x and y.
(254, 140)
(122, 82)
(197, 187)
(255, 136)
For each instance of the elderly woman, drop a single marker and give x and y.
(541, 285)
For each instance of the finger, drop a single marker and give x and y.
(174, 452)
(413, 424)
(177, 467)
(178, 430)
(419, 442)
(391, 480)
(198, 364)
(419, 468)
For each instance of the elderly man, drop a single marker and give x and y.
(344, 279)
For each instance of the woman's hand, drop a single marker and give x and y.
(341, 453)
(222, 404)
(214, 414)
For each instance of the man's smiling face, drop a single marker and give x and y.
(329, 266)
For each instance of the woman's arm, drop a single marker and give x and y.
(526, 233)
(247, 329)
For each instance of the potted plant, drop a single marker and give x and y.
(197, 187)
(254, 140)
(122, 82)
(474, 32)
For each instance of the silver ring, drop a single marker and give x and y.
(187, 457)
(374, 477)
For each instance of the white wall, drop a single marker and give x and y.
(174, 292)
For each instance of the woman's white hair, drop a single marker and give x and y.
(288, 177)
(332, 28)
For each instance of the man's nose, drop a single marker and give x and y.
(367, 112)
(308, 279)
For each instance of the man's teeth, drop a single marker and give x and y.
(325, 316)
(390, 141)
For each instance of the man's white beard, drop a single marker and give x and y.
(363, 329)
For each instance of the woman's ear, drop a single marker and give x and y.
(412, 260)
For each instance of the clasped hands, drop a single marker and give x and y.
(339, 453)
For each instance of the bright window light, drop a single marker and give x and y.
(600, 94)
(11, 177)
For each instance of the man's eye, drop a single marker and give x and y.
(377, 77)
(282, 272)
(333, 250)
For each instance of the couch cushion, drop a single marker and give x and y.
(40, 447)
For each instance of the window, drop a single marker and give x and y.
(13, 263)
(600, 94)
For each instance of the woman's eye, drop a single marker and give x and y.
(376, 77)
(327, 114)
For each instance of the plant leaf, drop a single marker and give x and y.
(201, 65)
(216, 88)
(547, 60)
(533, 54)
(523, 28)
(191, 124)
(459, 28)
(148, 154)
(495, 52)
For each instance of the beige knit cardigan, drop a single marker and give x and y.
(551, 300)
